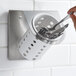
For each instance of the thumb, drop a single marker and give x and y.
(73, 19)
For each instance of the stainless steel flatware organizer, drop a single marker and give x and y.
(29, 36)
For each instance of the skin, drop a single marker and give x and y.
(73, 17)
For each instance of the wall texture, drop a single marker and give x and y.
(59, 60)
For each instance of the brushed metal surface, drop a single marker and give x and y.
(16, 22)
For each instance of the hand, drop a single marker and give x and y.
(73, 16)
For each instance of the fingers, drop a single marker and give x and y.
(72, 10)
(72, 15)
(74, 20)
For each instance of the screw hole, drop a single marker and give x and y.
(20, 17)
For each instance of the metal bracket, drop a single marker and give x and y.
(14, 19)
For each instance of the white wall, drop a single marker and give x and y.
(59, 60)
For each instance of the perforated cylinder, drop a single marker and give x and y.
(32, 45)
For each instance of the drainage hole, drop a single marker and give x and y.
(41, 49)
(39, 52)
(21, 42)
(19, 46)
(24, 54)
(24, 39)
(26, 35)
(51, 23)
(29, 48)
(32, 45)
(44, 46)
(39, 22)
(42, 18)
(34, 58)
(26, 59)
(27, 51)
(34, 41)
(37, 25)
(48, 26)
(29, 32)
